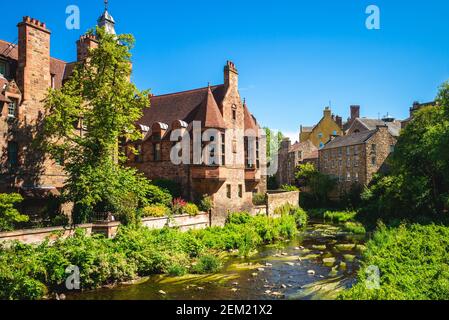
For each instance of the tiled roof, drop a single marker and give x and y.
(371, 124)
(57, 66)
(350, 140)
(299, 146)
(307, 129)
(250, 123)
(179, 106)
(208, 113)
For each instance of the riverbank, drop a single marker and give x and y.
(35, 272)
(319, 263)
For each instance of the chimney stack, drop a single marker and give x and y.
(231, 76)
(339, 121)
(33, 73)
(83, 45)
(355, 112)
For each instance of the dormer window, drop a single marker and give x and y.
(3, 68)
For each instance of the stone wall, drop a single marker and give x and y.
(35, 236)
(278, 199)
(108, 229)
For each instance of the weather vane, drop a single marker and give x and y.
(106, 2)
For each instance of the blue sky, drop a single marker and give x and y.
(293, 56)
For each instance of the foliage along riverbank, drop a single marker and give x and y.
(413, 262)
(33, 272)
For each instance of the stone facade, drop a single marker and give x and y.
(224, 173)
(321, 133)
(290, 157)
(354, 159)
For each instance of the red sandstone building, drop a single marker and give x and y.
(230, 171)
(27, 71)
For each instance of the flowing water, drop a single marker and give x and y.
(318, 264)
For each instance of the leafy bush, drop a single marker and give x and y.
(340, 216)
(297, 212)
(155, 211)
(287, 187)
(354, 227)
(9, 215)
(178, 206)
(207, 264)
(413, 263)
(191, 209)
(259, 199)
(157, 195)
(206, 204)
(172, 187)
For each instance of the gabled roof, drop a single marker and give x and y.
(349, 140)
(179, 106)
(250, 123)
(371, 124)
(57, 66)
(307, 129)
(299, 146)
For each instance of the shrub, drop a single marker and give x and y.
(156, 211)
(340, 216)
(9, 215)
(191, 209)
(206, 204)
(287, 187)
(172, 187)
(259, 199)
(157, 195)
(297, 212)
(413, 262)
(207, 264)
(354, 227)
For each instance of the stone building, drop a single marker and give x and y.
(366, 124)
(415, 108)
(27, 71)
(233, 157)
(354, 159)
(321, 133)
(291, 156)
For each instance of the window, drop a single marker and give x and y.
(340, 163)
(228, 191)
(139, 155)
(320, 135)
(321, 145)
(348, 162)
(223, 149)
(348, 176)
(3, 68)
(12, 109)
(157, 156)
(356, 161)
(299, 154)
(340, 152)
(52, 81)
(356, 150)
(234, 112)
(13, 154)
(373, 161)
(257, 153)
(334, 132)
(240, 191)
(373, 148)
(356, 177)
(348, 151)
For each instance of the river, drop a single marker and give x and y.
(318, 264)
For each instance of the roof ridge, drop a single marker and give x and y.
(186, 91)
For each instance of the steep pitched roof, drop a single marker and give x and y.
(57, 66)
(179, 106)
(250, 123)
(3, 84)
(208, 113)
(371, 124)
(299, 146)
(350, 140)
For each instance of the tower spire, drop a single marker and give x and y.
(106, 20)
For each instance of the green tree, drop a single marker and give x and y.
(419, 181)
(318, 185)
(274, 139)
(9, 215)
(104, 105)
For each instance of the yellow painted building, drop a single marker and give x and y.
(320, 134)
